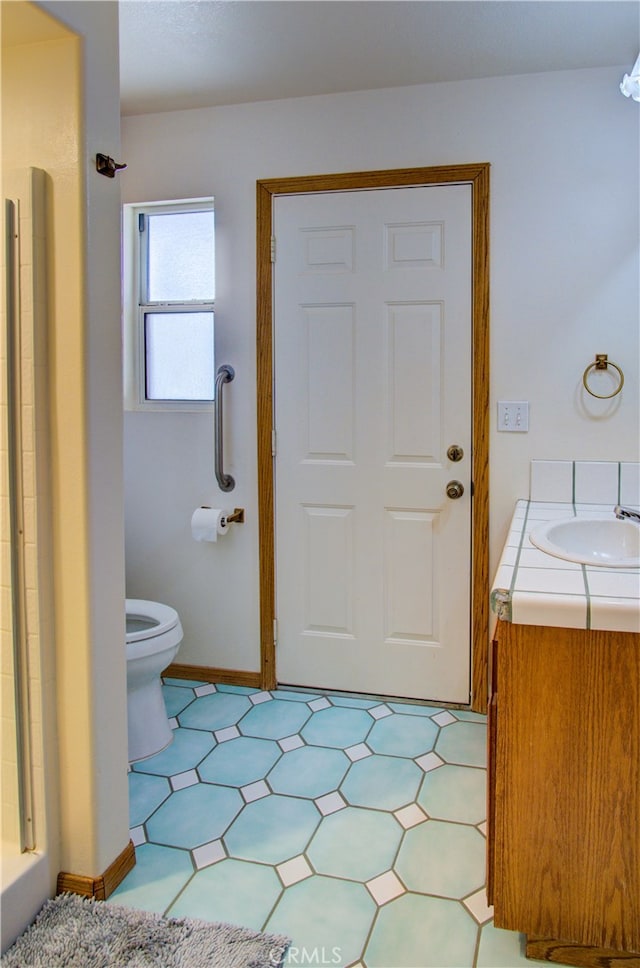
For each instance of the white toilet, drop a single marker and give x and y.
(154, 634)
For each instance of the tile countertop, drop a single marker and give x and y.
(534, 588)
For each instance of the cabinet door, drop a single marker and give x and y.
(566, 861)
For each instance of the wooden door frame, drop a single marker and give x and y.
(478, 177)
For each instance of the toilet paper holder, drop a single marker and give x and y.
(236, 516)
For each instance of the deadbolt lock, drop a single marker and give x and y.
(455, 453)
(455, 489)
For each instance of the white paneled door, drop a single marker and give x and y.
(372, 330)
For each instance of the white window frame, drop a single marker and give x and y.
(134, 309)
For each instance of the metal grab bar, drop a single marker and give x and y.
(225, 374)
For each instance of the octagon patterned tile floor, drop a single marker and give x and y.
(352, 825)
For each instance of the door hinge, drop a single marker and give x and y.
(273, 248)
(274, 443)
(275, 631)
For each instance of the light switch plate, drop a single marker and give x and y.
(513, 416)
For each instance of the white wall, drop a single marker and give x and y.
(564, 274)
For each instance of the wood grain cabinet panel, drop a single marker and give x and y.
(564, 791)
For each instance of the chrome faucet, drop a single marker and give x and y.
(626, 513)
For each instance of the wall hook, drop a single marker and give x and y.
(107, 166)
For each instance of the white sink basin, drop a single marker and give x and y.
(606, 542)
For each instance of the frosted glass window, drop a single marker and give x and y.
(179, 359)
(180, 263)
(169, 311)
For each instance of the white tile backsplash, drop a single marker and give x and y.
(596, 482)
(551, 480)
(585, 482)
(630, 484)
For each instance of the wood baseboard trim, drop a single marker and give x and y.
(104, 885)
(230, 677)
(582, 956)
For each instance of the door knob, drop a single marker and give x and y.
(455, 453)
(455, 489)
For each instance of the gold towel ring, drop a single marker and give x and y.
(602, 363)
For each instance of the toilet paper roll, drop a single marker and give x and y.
(208, 523)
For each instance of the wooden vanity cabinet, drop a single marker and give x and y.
(564, 792)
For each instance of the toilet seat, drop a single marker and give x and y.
(161, 628)
(161, 618)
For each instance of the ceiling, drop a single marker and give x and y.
(178, 54)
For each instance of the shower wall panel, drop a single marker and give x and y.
(26, 580)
